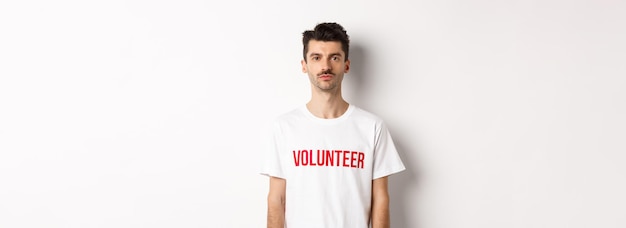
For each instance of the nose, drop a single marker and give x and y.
(326, 65)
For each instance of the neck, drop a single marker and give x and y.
(327, 104)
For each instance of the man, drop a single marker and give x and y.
(329, 160)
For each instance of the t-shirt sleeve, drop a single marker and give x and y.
(386, 158)
(271, 163)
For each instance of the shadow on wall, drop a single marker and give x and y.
(356, 79)
(401, 183)
(400, 186)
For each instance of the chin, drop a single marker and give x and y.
(327, 88)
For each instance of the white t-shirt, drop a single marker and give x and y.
(329, 165)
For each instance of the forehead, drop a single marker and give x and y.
(325, 47)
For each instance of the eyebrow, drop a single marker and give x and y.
(331, 54)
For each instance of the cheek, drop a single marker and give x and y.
(340, 67)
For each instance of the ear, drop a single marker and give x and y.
(304, 69)
(347, 66)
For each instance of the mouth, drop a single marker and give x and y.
(326, 76)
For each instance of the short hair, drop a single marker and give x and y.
(329, 31)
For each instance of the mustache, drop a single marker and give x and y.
(326, 72)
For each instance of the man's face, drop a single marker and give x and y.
(325, 64)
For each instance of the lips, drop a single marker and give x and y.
(326, 76)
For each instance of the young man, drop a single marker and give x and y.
(329, 160)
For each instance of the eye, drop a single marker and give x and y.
(336, 58)
(315, 58)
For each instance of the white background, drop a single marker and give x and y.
(153, 113)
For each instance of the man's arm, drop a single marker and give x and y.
(380, 203)
(276, 203)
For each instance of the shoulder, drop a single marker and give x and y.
(363, 115)
(289, 115)
(292, 116)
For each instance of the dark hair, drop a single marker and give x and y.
(326, 32)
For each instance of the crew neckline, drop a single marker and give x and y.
(343, 116)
